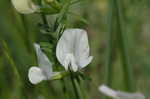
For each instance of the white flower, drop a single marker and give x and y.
(25, 6)
(119, 94)
(73, 49)
(44, 71)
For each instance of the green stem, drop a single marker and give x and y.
(74, 86)
(111, 44)
(82, 89)
(62, 17)
(43, 16)
(117, 33)
(8, 56)
(64, 11)
(26, 33)
(65, 91)
(128, 75)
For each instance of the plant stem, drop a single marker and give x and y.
(43, 16)
(111, 46)
(111, 43)
(80, 82)
(64, 89)
(26, 32)
(128, 75)
(117, 33)
(61, 18)
(8, 56)
(74, 86)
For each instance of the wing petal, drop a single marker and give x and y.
(43, 61)
(36, 75)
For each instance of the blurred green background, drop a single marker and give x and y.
(20, 32)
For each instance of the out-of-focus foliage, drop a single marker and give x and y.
(19, 32)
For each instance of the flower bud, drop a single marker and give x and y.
(25, 6)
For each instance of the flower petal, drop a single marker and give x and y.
(119, 94)
(107, 91)
(74, 41)
(43, 62)
(36, 75)
(124, 95)
(74, 66)
(65, 46)
(83, 63)
(82, 51)
(25, 6)
(70, 60)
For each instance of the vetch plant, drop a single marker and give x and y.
(25, 6)
(73, 49)
(68, 48)
(44, 71)
(119, 94)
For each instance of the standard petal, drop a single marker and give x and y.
(65, 45)
(83, 63)
(74, 41)
(82, 49)
(25, 6)
(36, 75)
(43, 62)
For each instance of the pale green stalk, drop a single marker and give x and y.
(73, 81)
(65, 91)
(122, 38)
(10, 59)
(43, 16)
(111, 44)
(117, 32)
(17, 79)
(82, 87)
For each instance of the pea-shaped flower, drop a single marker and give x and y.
(119, 94)
(44, 71)
(73, 49)
(25, 6)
